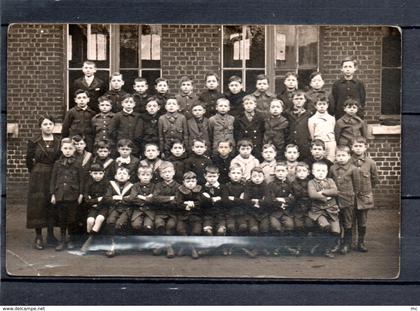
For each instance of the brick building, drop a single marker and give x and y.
(44, 59)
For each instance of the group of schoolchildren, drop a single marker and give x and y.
(217, 164)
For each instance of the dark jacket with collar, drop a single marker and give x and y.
(252, 130)
(101, 125)
(342, 90)
(299, 132)
(210, 97)
(172, 126)
(276, 131)
(263, 101)
(349, 127)
(116, 98)
(223, 164)
(141, 101)
(347, 180)
(128, 126)
(236, 105)
(198, 130)
(150, 128)
(287, 98)
(96, 89)
(185, 102)
(197, 164)
(78, 122)
(67, 179)
(179, 165)
(185, 194)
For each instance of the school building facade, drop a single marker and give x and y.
(43, 60)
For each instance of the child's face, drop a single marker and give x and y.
(190, 183)
(223, 107)
(141, 87)
(177, 150)
(224, 149)
(145, 176)
(291, 154)
(162, 87)
(298, 101)
(88, 70)
(81, 100)
(117, 82)
(320, 171)
(152, 107)
(321, 106)
(151, 152)
(105, 106)
(212, 83)
(186, 87)
(290, 82)
(302, 172)
(198, 112)
(269, 154)
(128, 104)
(199, 148)
(171, 105)
(342, 157)
(276, 108)
(351, 110)
(317, 82)
(317, 152)
(262, 85)
(257, 177)
(348, 68)
(103, 153)
(80, 146)
(359, 148)
(249, 106)
(245, 151)
(122, 176)
(97, 175)
(168, 174)
(235, 174)
(68, 149)
(235, 87)
(281, 172)
(47, 127)
(124, 151)
(211, 178)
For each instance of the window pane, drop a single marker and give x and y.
(255, 46)
(129, 46)
(391, 47)
(251, 79)
(77, 46)
(303, 77)
(233, 48)
(151, 76)
(129, 76)
(150, 46)
(75, 74)
(285, 49)
(308, 46)
(391, 94)
(227, 74)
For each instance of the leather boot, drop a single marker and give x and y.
(361, 247)
(348, 237)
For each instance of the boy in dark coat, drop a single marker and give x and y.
(235, 94)
(198, 161)
(150, 123)
(210, 96)
(141, 94)
(116, 94)
(276, 127)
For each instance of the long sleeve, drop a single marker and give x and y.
(311, 127)
(138, 132)
(113, 127)
(364, 130)
(68, 120)
(54, 177)
(374, 174)
(337, 130)
(30, 155)
(332, 191)
(185, 130)
(161, 137)
(313, 194)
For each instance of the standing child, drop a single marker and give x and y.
(186, 97)
(150, 123)
(172, 126)
(211, 201)
(262, 94)
(316, 91)
(321, 126)
(77, 120)
(347, 87)
(368, 174)
(324, 211)
(221, 124)
(235, 94)
(103, 158)
(126, 159)
(66, 188)
(101, 122)
(222, 160)
(298, 125)
(198, 124)
(162, 92)
(198, 161)
(346, 177)
(245, 159)
(276, 127)
(117, 197)
(268, 166)
(141, 94)
(152, 160)
(292, 155)
(94, 86)
(291, 84)
(350, 126)
(177, 158)
(211, 95)
(116, 94)
(250, 125)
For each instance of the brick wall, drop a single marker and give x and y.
(191, 50)
(34, 86)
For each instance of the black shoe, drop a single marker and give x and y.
(361, 247)
(38, 244)
(61, 246)
(170, 252)
(51, 241)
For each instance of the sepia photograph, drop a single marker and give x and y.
(203, 151)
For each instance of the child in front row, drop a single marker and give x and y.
(245, 159)
(221, 124)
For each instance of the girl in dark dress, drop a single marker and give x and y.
(42, 152)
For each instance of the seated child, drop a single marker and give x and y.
(347, 179)
(198, 125)
(101, 122)
(198, 161)
(117, 198)
(150, 123)
(124, 148)
(143, 216)
(324, 209)
(291, 84)
(292, 155)
(276, 127)
(152, 160)
(186, 97)
(268, 166)
(316, 91)
(223, 159)
(318, 153)
(211, 95)
(221, 124)
(102, 157)
(235, 94)
(321, 126)
(116, 93)
(66, 188)
(172, 126)
(245, 159)
(211, 203)
(177, 158)
(94, 192)
(262, 94)
(141, 94)
(350, 126)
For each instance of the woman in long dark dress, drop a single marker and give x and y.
(42, 152)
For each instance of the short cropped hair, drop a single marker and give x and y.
(116, 74)
(198, 103)
(299, 93)
(104, 98)
(351, 102)
(103, 144)
(152, 99)
(257, 169)
(359, 140)
(323, 163)
(165, 165)
(78, 138)
(318, 143)
(322, 98)
(200, 140)
(160, 80)
(211, 169)
(225, 141)
(151, 144)
(79, 91)
(245, 143)
(185, 79)
(67, 140)
(289, 146)
(140, 79)
(262, 77)
(268, 146)
(96, 167)
(314, 74)
(250, 98)
(89, 62)
(212, 74)
(125, 143)
(277, 100)
(303, 164)
(220, 100)
(144, 168)
(281, 163)
(122, 168)
(177, 141)
(341, 148)
(235, 79)
(235, 166)
(126, 96)
(189, 175)
(349, 59)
